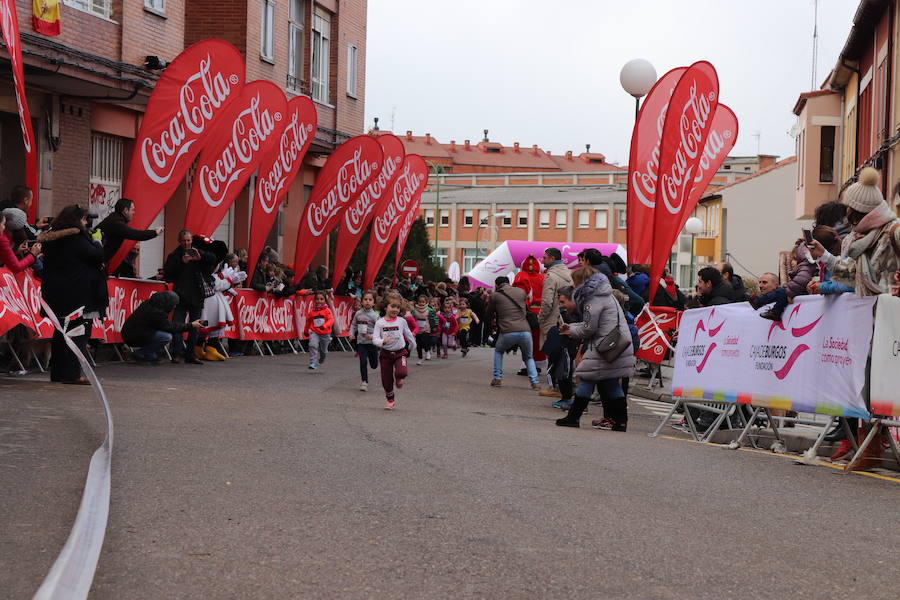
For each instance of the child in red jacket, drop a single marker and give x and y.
(319, 322)
(448, 327)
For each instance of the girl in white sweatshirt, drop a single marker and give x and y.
(392, 334)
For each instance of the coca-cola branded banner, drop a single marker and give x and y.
(250, 128)
(31, 290)
(656, 333)
(193, 94)
(360, 212)
(689, 119)
(263, 317)
(125, 295)
(411, 215)
(643, 166)
(346, 173)
(277, 170)
(722, 136)
(391, 212)
(14, 307)
(342, 307)
(9, 21)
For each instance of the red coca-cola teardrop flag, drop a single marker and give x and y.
(277, 171)
(722, 136)
(391, 213)
(689, 119)
(643, 166)
(411, 215)
(250, 128)
(350, 168)
(194, 92)
(360, 212)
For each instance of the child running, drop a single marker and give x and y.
(318, 325)
(448, 326)
(435, 303)
(464, 317)
(392, 335)
(362, 328)
(421, 312)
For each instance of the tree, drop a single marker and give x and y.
(418, 248)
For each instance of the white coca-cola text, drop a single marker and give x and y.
(356, 213)
(350, 179)
(405, 187)
(290, 148)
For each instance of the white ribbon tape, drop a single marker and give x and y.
(71, 575)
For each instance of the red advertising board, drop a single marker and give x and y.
(656, 338)
(125, 295)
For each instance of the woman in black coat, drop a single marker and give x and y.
(73, 278)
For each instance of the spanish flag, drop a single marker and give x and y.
(45, 16)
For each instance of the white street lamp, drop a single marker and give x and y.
(484, 221)
(693, 226)
(637, 77)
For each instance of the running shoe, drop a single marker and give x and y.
(364, 386)
(428, 355)
(312, 366)
(419, 362)
(389, 405)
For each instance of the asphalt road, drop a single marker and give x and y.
(257, 478)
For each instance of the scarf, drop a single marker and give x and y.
(861, 243)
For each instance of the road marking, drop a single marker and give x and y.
(788, 456)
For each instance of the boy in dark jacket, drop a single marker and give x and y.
(149, 329)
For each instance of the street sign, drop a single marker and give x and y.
(409, 268)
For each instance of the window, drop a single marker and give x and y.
(429, 218)
(439, 257)
(321, 36)
(523, 218)
(507, 219)
(471, 257)
(267, 33)
(156, 5)
(584, 219)
(352, 61)
(623, 219)
(483, 217)
(295, 45)
(445, 218)
(561, 218)
(101, 8)
(544, 218)
(826, 154)
(600, 218)
(467, 218)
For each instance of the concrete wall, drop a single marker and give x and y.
(759, 220)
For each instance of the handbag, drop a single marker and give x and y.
(530, 317)
(613, 344)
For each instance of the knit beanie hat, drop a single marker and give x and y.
(864, 195)
(15, 218)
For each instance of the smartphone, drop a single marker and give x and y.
(807, 235)
(204, 323)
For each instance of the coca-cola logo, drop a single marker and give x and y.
(265, 316)
(290, 147)
(12, 300)
(343, 308)
(654, 338)
(356, 213)
(405, 187)
(693, 119)
(123, 301)
(250, 129)
(199, 99)
(350, 178)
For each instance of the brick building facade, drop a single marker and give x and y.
(88, 87)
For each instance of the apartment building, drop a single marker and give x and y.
(87, 90)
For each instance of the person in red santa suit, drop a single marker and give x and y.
(531, 280)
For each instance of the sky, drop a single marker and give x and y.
(530, 72)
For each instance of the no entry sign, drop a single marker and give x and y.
(409, 268)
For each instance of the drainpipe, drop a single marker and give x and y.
(885, 181)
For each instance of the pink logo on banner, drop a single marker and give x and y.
(796, 332)
(711, 332)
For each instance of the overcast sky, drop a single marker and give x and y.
(531, 72)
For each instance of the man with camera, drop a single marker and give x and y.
(116, 230)
(190, 273)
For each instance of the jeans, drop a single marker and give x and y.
(181, 314)
(522, 339)
(318, 347)
(151, 351)
(779, 297)
(368, 359)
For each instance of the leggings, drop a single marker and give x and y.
(423, 343)
(393, 367)
(463, 337)
(368, 359)
(436, 342)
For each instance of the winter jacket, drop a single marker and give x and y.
(73, 272)
(152, 316)
(187, 279)
(510, 311)
(799, 276)
(601, 313)
(869, 255)
(422, 316)
(465, 318)
(320, 320)
(433, 322)
(557, 276)
(639, 282)
(363, 324)
(8, 256)
(740, 291)
(116, 230)
(413, 326)
(664, 296)
(720, 294)
(447, 323)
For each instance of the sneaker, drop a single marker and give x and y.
(236, 353)
(364, 386)
(550, 393)
(681, 426)
(559, 404)
(565, 405)
(844, 451)
(444, 355)
(770, 315)
(312, 366)
(428, 355)
(607, 425)
(536, 386)
(389, 405)
(464, 351)
(419, 362)
(495, 383)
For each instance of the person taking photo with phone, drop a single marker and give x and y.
(190, 273)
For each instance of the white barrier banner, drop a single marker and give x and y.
(885, 393)
(813, 360)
